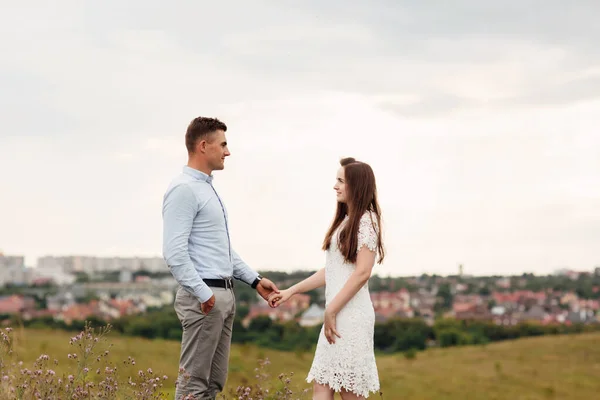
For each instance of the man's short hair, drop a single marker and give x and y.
(199, 129)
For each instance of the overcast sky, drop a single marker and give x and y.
(480, 119)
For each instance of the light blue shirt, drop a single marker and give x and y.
(196, 242)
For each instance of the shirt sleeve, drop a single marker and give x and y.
(179, 210)
(241, 270)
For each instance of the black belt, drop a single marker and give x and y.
(222, 283)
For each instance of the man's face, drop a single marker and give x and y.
(216, 150)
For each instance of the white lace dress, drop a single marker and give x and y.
(349, 363)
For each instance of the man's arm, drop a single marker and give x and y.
(241, 270)
(244, 273)
(179, 210)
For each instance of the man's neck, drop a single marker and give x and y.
(200, 167)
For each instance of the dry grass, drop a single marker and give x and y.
(557, 367)
(551, 367)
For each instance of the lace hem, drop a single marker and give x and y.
(348, 382)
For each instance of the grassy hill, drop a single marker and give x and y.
(550, 367)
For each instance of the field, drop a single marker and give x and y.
(550, 367)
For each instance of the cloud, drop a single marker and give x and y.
(479, 120)
(577, 89)
(545, 21)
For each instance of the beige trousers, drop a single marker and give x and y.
(204, 358)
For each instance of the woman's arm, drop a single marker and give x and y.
(314, 281)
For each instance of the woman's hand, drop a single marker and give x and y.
(329, 327)
(277, 299)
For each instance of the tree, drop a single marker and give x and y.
(315, 296)
(81, 277)
(445, 293)
(485, 291)
(242, 311)
(261, 323)
(244, 294)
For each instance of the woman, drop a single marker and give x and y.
(344, 359)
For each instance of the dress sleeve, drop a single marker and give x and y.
(367, 232)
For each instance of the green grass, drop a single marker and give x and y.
(550, 367)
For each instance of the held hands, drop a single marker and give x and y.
(329, 327)
(277, 299)
(329, 319)
(266, 288)
(207, 305)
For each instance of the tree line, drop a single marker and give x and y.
(396, 335)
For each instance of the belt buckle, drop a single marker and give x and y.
(228, 283)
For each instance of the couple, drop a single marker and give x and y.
(197, 249)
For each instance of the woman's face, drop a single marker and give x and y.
(340, 186)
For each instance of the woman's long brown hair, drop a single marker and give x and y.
(361, 192)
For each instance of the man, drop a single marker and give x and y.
(197, 249)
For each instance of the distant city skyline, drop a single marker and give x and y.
(479, 119)
(43, 262)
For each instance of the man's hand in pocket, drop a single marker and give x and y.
(207, 305)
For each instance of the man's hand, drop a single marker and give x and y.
(265, 288)
(277, 299)
(207, 305)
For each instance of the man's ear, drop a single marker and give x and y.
(201, 146)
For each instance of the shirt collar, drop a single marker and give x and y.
(194, 173)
